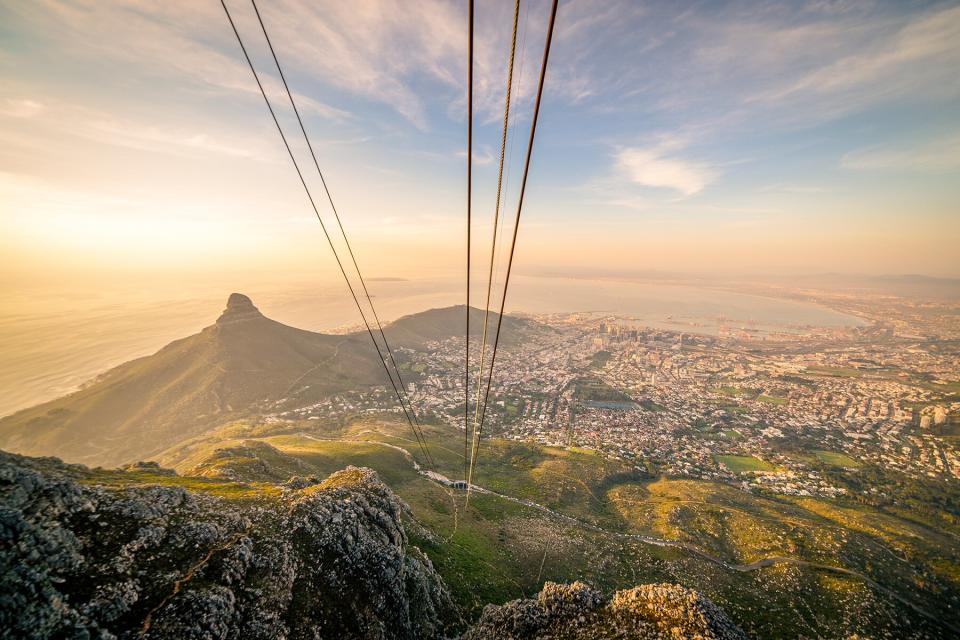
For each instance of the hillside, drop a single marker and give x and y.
(227, 370)
(548, 514)
(147, 404)
(578, 612)
(148, 554)
(415, 330)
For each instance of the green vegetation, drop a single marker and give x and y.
(599, 359)
(734, 408)
(493, 550)
(836, 459)
(584, 450)
(650, 405)
(742, 464)
(749, 393)
(595, 390)
(217, 487)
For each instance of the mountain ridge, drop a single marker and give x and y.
(230, 367)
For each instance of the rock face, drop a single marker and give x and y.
(576, 611)
(330, 560)
(239, 308)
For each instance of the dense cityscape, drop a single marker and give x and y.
(765, 409)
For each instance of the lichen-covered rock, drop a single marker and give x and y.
(362, 582)
(330, 560)
(579, 612)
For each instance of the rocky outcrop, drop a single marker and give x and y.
(250, 460)
(150, 467)
(330, 560)
(577, 611)
(239, 308)
(99, 554)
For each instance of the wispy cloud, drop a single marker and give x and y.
(370, 49)
(696, 113)
(101, 127)
(726, 67)
(937, 155)
(177, 40)
(914, 56)
(653, 167)
(820, 59)
(481, 156)
(152, 138)
(21, 107)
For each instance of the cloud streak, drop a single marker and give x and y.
(102, 127)
(689, 113)
(937, 155)
(177, 40)
(913, 57)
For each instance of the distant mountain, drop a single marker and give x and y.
(438, 324)
(149, 404)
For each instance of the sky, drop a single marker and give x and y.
(708, 137)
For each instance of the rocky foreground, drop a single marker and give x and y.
(576, 611)
(307, 559)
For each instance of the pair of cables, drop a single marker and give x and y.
(384, 353)
(483, 394)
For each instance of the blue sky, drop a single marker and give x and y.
(678, 136)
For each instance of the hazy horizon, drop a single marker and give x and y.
(54, 343)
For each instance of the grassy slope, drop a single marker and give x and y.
(836, 459)
(739, 464)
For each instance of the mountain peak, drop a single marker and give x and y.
(239, 307)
